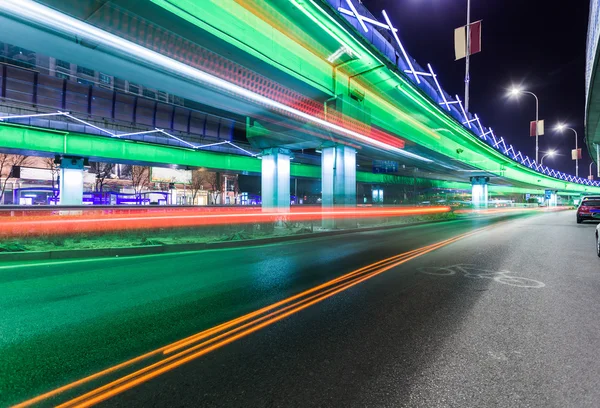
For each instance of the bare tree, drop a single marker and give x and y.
(236, 188)
(125, 171)
(140, 178)
(214, 181)
(103, 172)
(7, 162)
(199, 180)
(54, 170)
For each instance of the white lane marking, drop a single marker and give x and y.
(474, 272)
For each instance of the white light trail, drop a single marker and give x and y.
(38, 14)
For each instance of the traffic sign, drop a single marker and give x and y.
(385, 166)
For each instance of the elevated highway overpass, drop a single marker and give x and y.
(302, 72)
(592, 84)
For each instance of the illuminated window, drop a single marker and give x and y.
(176, 100)
(105, 79)
(377, 195)
(134, 88)
(149, 94)
(86, 71)
(63, 64)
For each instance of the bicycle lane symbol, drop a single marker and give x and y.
(473, 272)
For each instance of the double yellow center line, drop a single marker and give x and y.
(183, 351)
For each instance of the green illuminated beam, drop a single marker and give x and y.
(26, 138)
(76, 144)
(231, 22)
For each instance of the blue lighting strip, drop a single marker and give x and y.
(358, 15)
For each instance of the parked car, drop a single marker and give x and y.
(598, 240)
(589, 209)
(590, 198)
(580, 200)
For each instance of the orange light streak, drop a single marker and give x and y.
(199, 336)
(230, 331)
(141, 376)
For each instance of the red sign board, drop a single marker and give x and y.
(532, 128)
(475, 40)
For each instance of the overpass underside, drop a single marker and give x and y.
(592, 119)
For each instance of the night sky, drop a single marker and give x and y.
(536, 43)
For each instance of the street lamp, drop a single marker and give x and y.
(550, 153)
(559, 128)
(516, 91)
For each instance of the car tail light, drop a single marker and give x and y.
(584, 208)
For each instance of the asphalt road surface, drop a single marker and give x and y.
(505, 316)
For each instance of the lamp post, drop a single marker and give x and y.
(517, 91)
(467, 75)
(550, 153)
(560, 127)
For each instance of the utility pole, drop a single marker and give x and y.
(467, 76)
(576, 156)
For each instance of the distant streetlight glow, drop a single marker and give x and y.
(550, 153)
(560, 127)
(516, 91)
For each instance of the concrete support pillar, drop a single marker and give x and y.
(598, 160)
(172, 199)
(479, 191)
(338, 179)
(553, 202)
(275, 180)
(71, 181)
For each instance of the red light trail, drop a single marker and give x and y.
(102, 222)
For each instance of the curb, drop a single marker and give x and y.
(172, 248)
